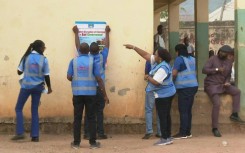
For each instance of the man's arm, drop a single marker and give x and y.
(77, 41)
(209, 68)
(47, 80)
(107, 38)
(174, 73)
(102, 88)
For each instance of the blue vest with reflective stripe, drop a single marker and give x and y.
(187, 78)
(83, 81)
(166, 88)
(33, 71)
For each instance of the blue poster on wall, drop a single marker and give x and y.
(90, 31)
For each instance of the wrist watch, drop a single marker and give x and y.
(216, 69)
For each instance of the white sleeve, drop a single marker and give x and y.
(163, 45)
(152, 59)
(160, 75)
(156, 38)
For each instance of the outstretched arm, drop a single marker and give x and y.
(77, 42)
(141, 52)
(107, 39)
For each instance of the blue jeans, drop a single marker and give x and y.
(149, 106)
(185, 103)
(23, 96)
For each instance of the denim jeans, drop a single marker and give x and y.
(79, 102)
(149, 106)
(23, 96)
(99, 116)
(185, 103)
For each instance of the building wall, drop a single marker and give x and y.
(220, 33)
(24, 21)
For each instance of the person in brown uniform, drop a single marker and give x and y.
(218, 70)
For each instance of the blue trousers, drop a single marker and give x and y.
(185, 103)
(99, 116)
(149, 106)
(23, 96)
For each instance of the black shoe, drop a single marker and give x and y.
(95, 145)
(18, 137)
(75, 146)
(147, 136)
(35, 139)
(179, 136)
(103, 136)
(86, 137)
(158, 135)
(236, 119)
(216, 132)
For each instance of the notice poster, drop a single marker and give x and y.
(91, 32)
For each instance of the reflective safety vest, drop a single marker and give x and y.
(99, 58)
(166, 88)
(33, 71)
(83, 81)
(187, 78)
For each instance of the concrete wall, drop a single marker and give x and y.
(24, 21)
(220, 33)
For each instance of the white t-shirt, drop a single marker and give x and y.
(159, 40)
(161, 74)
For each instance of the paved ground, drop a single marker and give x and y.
(126, 144)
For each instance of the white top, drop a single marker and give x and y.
(161, 74)
(190, 49)
(159, 39)
(232, 74)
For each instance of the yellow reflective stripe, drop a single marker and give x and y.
(187, 73)
(101, 64)
(185, 82)
(41, 62)
(30, 83)
(84, 88)
(165, 83)
(186, 63)
(91, 61)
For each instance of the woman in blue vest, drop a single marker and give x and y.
(184, 76)
(160, 82)
(36, 69)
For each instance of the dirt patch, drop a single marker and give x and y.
(126, 144)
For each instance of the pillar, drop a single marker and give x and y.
(173, 27)
(201, 38)
(240, 49)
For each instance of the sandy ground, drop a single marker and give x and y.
(125, 144)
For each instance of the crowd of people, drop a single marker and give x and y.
(87, 75)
